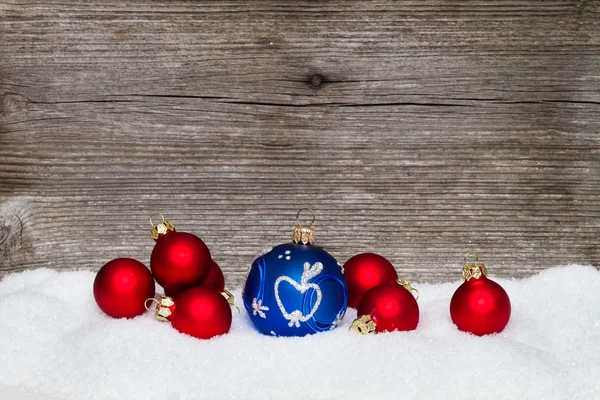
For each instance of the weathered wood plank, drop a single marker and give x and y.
(415, 129)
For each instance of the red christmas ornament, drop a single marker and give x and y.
(199, 312)
(479, 306)
(365, 271)
(215, 279)
(179, 260)
(121, 287)
(387, 307)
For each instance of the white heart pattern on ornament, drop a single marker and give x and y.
(296, 316)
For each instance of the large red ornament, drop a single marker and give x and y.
(121, 287)
(215, 279)
(179, 260)
(479, 306)
(365, 271)
(387, 307)
(199, 312)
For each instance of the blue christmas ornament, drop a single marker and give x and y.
(295, 289)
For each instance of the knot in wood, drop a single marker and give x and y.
(316, 80)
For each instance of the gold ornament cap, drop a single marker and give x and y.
(304, 234)
(164, 308)
(408, 287)
(364, 325)
(162, 228)
(473, 269)
(230, 299)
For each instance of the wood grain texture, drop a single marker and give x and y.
(415, 129)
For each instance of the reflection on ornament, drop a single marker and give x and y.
(309, 272)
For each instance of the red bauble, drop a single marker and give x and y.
(179, 261)
(215, 279)
(480, 306)
(122, 286)
(391, 306)
(202, 313)
(365, 271)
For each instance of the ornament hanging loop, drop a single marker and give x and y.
(471, 253)
(304, 234)
(154, 215)
(305, 209)
(163, 309)
(152, 300)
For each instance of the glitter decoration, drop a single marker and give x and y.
(258, 308)
(296, 316)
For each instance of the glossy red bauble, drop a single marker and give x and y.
(215, 279)
(202, 313)
(391, 307)
(179, 261)
(480, 306)
(122, 286)
(365, 271)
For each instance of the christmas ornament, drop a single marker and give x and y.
(199, 312)
(215, 279)
(365, 271)
(295, 289)
(479, 305)
(121, 286)
(179, 260)
(387, 307)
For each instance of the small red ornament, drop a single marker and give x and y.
(199, 312)
(121, 287)
(215, 279)
(479, 306)
(387, 307)
(179, 260)
(365, 271)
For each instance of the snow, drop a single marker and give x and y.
(56, 344)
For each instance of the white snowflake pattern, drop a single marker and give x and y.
(258, 308)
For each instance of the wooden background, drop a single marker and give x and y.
(415, 129)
